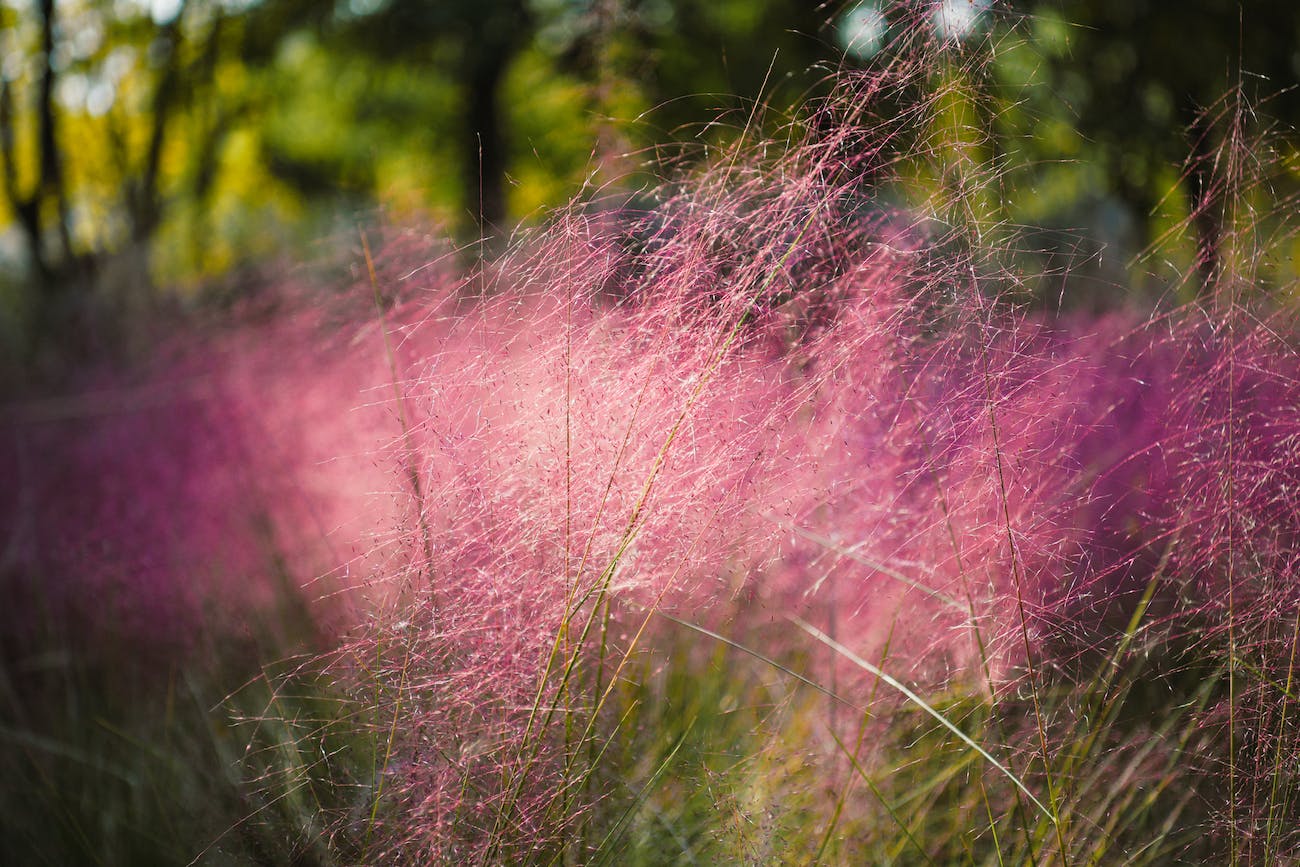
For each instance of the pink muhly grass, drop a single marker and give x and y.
(755, 400)
(130, 507)
(767, 400)
(762, 398)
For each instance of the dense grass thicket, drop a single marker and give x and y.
(767, 521)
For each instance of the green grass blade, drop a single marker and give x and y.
(923, 705)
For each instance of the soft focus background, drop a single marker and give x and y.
(162, 151)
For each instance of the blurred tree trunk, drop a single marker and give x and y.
(494, 33)
(485, 158)
(51, 181)
(143, 198)
(25, 207)
(1207, 191)
(216, 121)
(34, 207)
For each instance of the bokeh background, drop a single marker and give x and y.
(157, 152)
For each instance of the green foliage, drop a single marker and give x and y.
(111, 757)
(726, 759)
(231, 131)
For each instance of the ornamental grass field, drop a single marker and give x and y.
(752, 517)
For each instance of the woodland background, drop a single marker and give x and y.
(161, 152)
